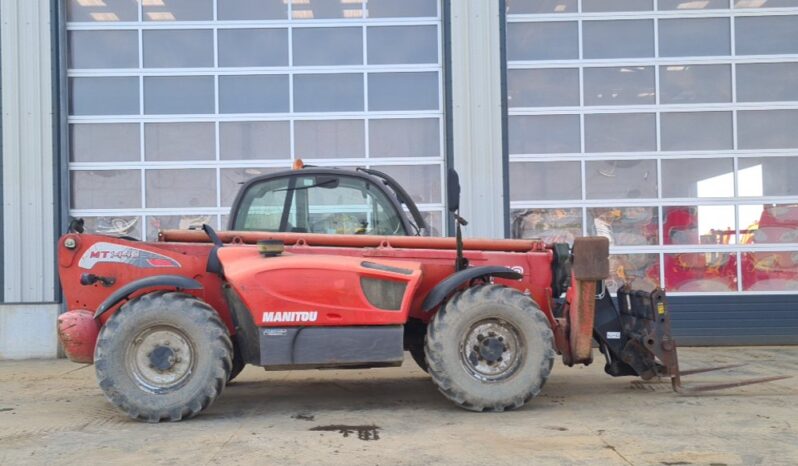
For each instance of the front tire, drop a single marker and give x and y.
(163, 356)
(490, 348)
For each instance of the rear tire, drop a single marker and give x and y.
(163, 356)
(490, 348)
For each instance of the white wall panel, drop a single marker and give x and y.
(28, 229)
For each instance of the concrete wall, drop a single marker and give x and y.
(28, 331)
(27, 319)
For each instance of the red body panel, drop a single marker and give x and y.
(127, 261)
(313, 290)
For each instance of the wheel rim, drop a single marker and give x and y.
(161, 359)
(492, 350)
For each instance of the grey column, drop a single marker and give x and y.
(27, 151)
(477, 114)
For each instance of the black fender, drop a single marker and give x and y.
(174, 281)
(457, 279)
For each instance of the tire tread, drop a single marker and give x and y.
(458, 305)
(201, 313)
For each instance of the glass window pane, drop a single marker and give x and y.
(178, 94)
(178, 10)
(186, 187)
(352, 207)
(253, 140)
(705, 224)
(767, 176)
(179, 141)
(106, 10)
(626, 85)
(104, 96)
(402, 44)
(696, 130)
(526, 7)
(545, 181)
(621, 179)
(434, 221)
(642, 270)
(422, 182)
(106, 189)
(768, 223)
(251, 9)
(767, 82)
(103, 49)
(177, 222)
(618, 38)
(327, 46)
(557, 40)
(701, 272)
(698, 178)
(405, 8)
(694, 37)
(767, 129)
(262, 205)
(104, 142)
(692, 4)
(253, 94)
(178, 48)
(590, 6)
(113, 225)
(404, 137)
(766, 35)
(253, 47)
(624, 226)
(549, 225)
(328, 92)
(770, 271)
(544, 134)
(765, 3)
(329, 138)
(403, 91)
(548, 87)
(688, 84)
(620, 132)
(232, 179)
(327, 9)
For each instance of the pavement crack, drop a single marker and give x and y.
(615, 450)
(221, 447)
(71, 371)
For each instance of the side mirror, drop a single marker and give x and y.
(453, 190)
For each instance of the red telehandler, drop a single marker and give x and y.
(328, 268)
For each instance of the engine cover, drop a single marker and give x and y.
(298, 290)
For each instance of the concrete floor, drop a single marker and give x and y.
(52, 412)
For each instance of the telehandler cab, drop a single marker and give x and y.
(322, 268)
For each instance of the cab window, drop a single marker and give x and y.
(330, 204)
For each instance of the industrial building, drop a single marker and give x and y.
(667, 125)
